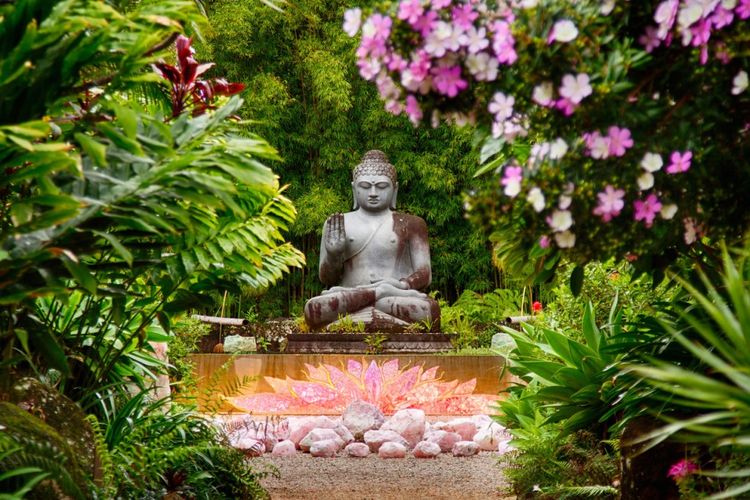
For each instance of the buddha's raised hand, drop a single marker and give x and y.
(335, 234)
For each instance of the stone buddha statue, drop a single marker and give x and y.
(374, 260)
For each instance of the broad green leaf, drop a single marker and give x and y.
(94, 149)
(590, 331)
(126, 255)
(80, 272)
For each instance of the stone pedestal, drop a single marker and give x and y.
(363, 343)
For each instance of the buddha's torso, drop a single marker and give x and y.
(373, 257)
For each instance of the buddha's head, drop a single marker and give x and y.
(374, 183)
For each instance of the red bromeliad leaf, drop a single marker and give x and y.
(187, 89)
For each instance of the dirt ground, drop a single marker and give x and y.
(373, 478)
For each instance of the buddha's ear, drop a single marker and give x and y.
(355, 205)
(395, 195)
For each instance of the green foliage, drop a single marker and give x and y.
(575, 378)
(550, 466)
(375, 342)
(185, 455)
(474, 317)
(709, 403)
(602, 283)
(184, 341)
(30, 447)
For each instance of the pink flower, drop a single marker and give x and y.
(503, 43)
(722, 17)
(647, 209)
(681, 470)
(597, 144)
(352, 21)
(566, 106)
(544, 241)
(425, 23)
(413, 110)
(396, 63)
(439, 4)
(650, 39)
(377, 26)
(619, 140)
(410, 11)
(447, 80)
(680, 162)
(610, 203)
(743, 9)
(701, 32)
(464, 16)
(665, 16)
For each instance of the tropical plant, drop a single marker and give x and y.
(709, 403)
(186, 90)
(139, 217)
(576, 379)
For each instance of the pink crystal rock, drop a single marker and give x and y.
(284, 448)
(445, 440)
(489, 436)
(426, 449)
(316, 435)
(464, 426)
(326, 448)
(392, 450)
(358, 450)
(299, 427)
(375, 439)
(361, 417)
(465, 449)
(410, 424)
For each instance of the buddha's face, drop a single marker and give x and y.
(374, 193)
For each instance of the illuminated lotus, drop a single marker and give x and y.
(329, 390)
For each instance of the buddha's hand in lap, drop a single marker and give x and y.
(390, 287)
(335, 236)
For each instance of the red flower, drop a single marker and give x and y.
(536, 307)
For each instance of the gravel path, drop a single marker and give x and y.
(373, 478)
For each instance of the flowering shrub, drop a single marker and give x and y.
(615, 128)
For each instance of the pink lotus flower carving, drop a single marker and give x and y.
(329, 390)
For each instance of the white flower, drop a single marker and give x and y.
(652, 162)
(482, 66)
(668, 211)
(536, 198)
(564, 31)
(512, 189)
(607, 7)
(645, 181)
(352, 21)
(729, 4)
(558, 149)
(739, 83)
(565, 239)
(564, 201)
(539, 151)
(560, 220)
(497, 129)
(529, 4)
(600, 147)
(575, 88)
(475, 40)
(501, 106)
(689, 14)
(435, 43)
(542, 94)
